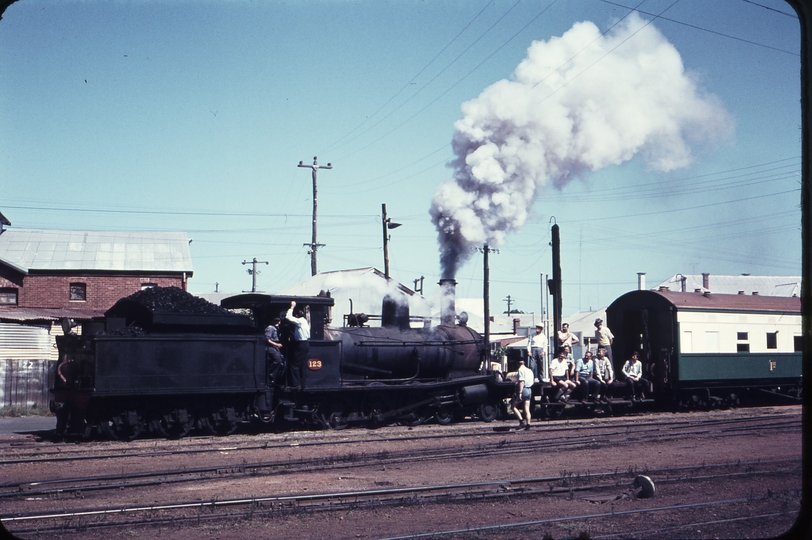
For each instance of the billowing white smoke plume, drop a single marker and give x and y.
(577, 103)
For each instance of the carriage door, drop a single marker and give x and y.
(642, 334)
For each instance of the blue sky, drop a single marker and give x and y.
(193, 116)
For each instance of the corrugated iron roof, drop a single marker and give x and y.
(32, 249)
(47, 314)
(739, 302)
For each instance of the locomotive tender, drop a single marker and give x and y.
(165, 361)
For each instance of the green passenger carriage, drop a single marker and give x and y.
(702, 349)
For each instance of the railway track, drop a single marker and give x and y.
(600, 487)
(494, 443)
(43, 452)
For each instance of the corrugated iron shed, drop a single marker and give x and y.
(29, 250)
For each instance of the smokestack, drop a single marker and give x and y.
(448, 309)
(705, 280)
(394, 314)
(641, 281)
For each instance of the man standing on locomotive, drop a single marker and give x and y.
(300, 346)
(273, 350)
(604, 337)
(567, 338)
(537, 352)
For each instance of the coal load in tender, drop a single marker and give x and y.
(174, 300)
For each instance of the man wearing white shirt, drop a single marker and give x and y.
(299, 344)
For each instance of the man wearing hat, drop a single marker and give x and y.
(537, 352)
(604, 337)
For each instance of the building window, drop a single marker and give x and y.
(145, 286)
(799, 343)
(78, 292)
(8, 297)
(741, 336)
(772, 340)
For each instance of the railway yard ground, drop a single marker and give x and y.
(733, 473)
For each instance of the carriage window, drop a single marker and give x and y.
(687, 341)
(772, 340)
(742, 347)
(78, 292)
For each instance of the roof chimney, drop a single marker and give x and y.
(516, 326)
(641, 281)
(755, 293)
(706, 280)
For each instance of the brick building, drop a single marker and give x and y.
(48, 275)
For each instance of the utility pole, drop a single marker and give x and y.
(253, 271)
(509, 300)
(555, 284)
(387, 224)
(314, 244)
(486, 297)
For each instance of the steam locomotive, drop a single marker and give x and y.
(164, 361)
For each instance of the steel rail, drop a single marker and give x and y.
(504, 447)
(571, 425)
(513, 484)
(506, 526)
(362, 498)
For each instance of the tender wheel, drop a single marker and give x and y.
(488, 411)
(221, 422)
(174, 424)
(125, 426)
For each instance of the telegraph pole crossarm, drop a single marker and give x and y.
(253, 271)
(314, 244)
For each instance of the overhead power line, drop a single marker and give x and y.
(695, 27)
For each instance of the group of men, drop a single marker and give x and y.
(593, 378)
(298, 347)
